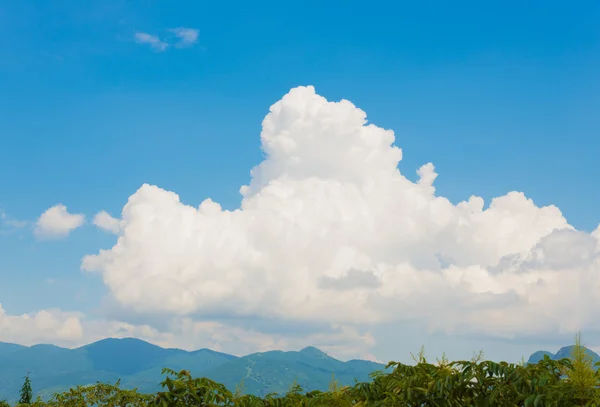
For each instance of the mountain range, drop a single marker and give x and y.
(138, 364)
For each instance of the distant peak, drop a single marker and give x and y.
(130, 339)
(45, 346)
(115, 341)
(105, 340)
(311, 350)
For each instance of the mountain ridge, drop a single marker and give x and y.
(138, 364)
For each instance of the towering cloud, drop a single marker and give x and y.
(330, 231)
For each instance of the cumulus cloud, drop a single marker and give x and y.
(40, 327)
(104, 221)
(329, 231)
(187, 36)
(56, 222)
(152, 40)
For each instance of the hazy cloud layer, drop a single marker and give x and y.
(73, 329)
(40, 327)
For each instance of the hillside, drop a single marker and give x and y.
(138, 364)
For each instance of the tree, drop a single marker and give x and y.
(26, 393)
(186, 391)
(99, 395)
(581, 379)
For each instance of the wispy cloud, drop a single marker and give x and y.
(17, 224)
(156, 43)
(9, 225)
(187, 36)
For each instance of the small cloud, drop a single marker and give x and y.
(104, 221)
(50, 281)
(187, 36)
(57, 223)
(156, 43)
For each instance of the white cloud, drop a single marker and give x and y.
(156, 43)
(187, 36)
(596, 234)
(104, 221)
(74, 329)
(57, 222)
(329, 231)
(40, 327)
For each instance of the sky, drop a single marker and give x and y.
(366, 178)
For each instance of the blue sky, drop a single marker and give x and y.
(498, 97)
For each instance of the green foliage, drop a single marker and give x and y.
(100, 395)
(26, 392)
(185, 391)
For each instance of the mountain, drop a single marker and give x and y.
(564, 352)
(539, 355)
(8, 348)
(138, 364)
(125, 356)
(275, 371)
